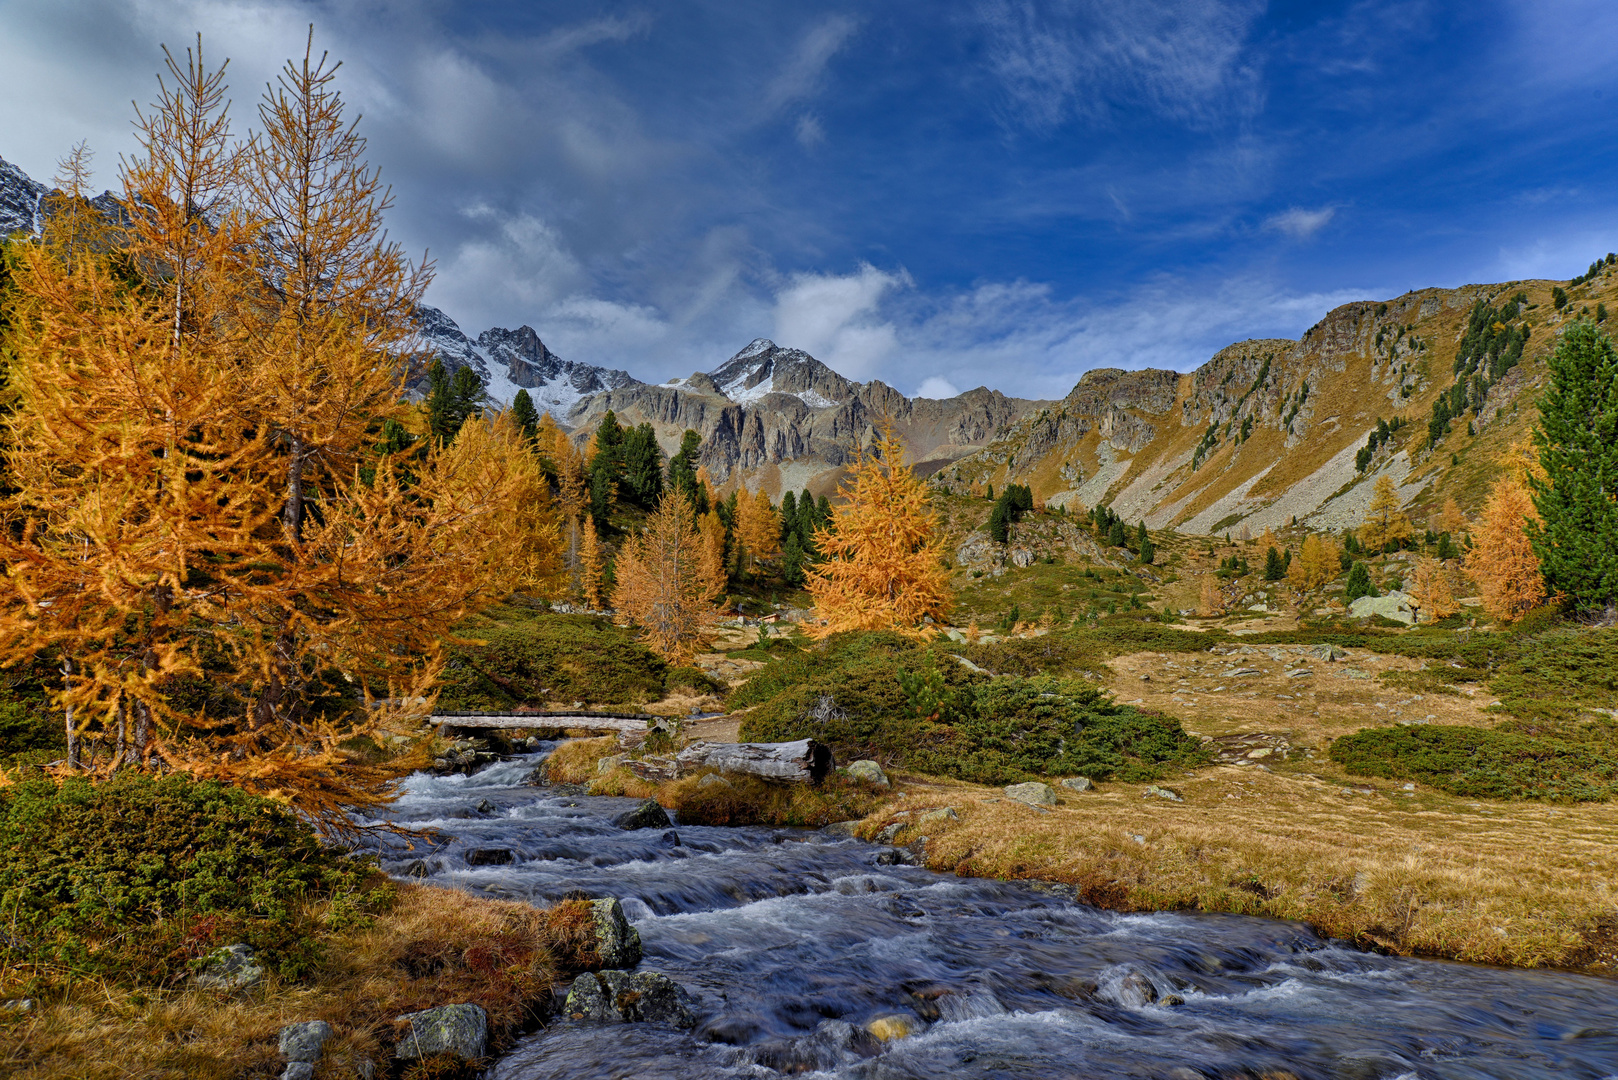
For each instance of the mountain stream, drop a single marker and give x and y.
(792, 942)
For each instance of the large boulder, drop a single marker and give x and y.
(869, 771)
(609, 997)
(1398, 606)
(1033, 794)
(648, 815)
(459, 1030)
(617, 942)
(229, 967)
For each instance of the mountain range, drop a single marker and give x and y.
(1265, 431)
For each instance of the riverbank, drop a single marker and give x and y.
(428, 947)
(1411, 873)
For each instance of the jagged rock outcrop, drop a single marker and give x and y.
(508, 361)
(20, 197)
(779, 417)
(1268, 429)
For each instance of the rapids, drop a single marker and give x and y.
(787, 937)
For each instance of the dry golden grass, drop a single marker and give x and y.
(1409, 873)
(433, 947)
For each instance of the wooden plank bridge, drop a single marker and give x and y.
(449, 723)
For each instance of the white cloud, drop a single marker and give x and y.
(809, 132)
(1299, 223)
(1183, 59)
(801, 75)
(935, 387)
(834, 318)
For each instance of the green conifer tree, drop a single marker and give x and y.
(1359, 583)
(642, 478)
(524, 413)
(1143, 543)
(1274, 569)
(1577, 498)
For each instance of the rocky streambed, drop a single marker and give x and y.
(770, 951)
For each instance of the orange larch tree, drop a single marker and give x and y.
(758, 527)
(1316, 564)
(883, 555)
(1385, 523)
(199, 626)
(589, 563)
(661, 582)
(1502, 560)
(1432, 590)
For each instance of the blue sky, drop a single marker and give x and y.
(939, 195)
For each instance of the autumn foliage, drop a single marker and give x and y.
(664, 581)
(1502, 560)
(883, 556)
(1432, 590)
(1316, 564)
(1385, 524)
(758, 527)
(233, 580)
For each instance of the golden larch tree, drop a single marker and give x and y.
(1432, 590)
(883, 555)
(1451, 519)
(712, 528)
(333, 277)
(1502, 561)
(660, 581)
(1385, 523)
(589, 565)
(200, 628)
(1210, 600)
(758, 527)
(563, 460)
(1316, 564)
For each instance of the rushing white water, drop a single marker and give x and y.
(786, 937)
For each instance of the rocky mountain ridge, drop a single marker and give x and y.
(779, 418)
(1271, 429)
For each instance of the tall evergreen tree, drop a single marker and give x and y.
(1274, 569)
(683, 471)
(1143, 541)
(525, 415)
(606, 466)
(642, 466)
(1576, 538)
(1359, 583)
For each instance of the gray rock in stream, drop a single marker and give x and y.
(648, 815)
(617, 942)
(646, 997)
(461, 1030)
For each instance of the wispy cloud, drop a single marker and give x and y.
(801, 76)
(1301, 224)
(1186, 60)
(809, 131)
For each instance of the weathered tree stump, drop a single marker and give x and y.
(804, 761)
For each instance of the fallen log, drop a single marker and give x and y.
(804, 761)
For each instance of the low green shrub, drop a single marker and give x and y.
(1485, 763)
(882, 696)
(137, 876)
(693, 680)
(1013, 729)
(540, 659)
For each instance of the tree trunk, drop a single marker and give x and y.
(804, 761)
(292, 515)
(72, 728)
